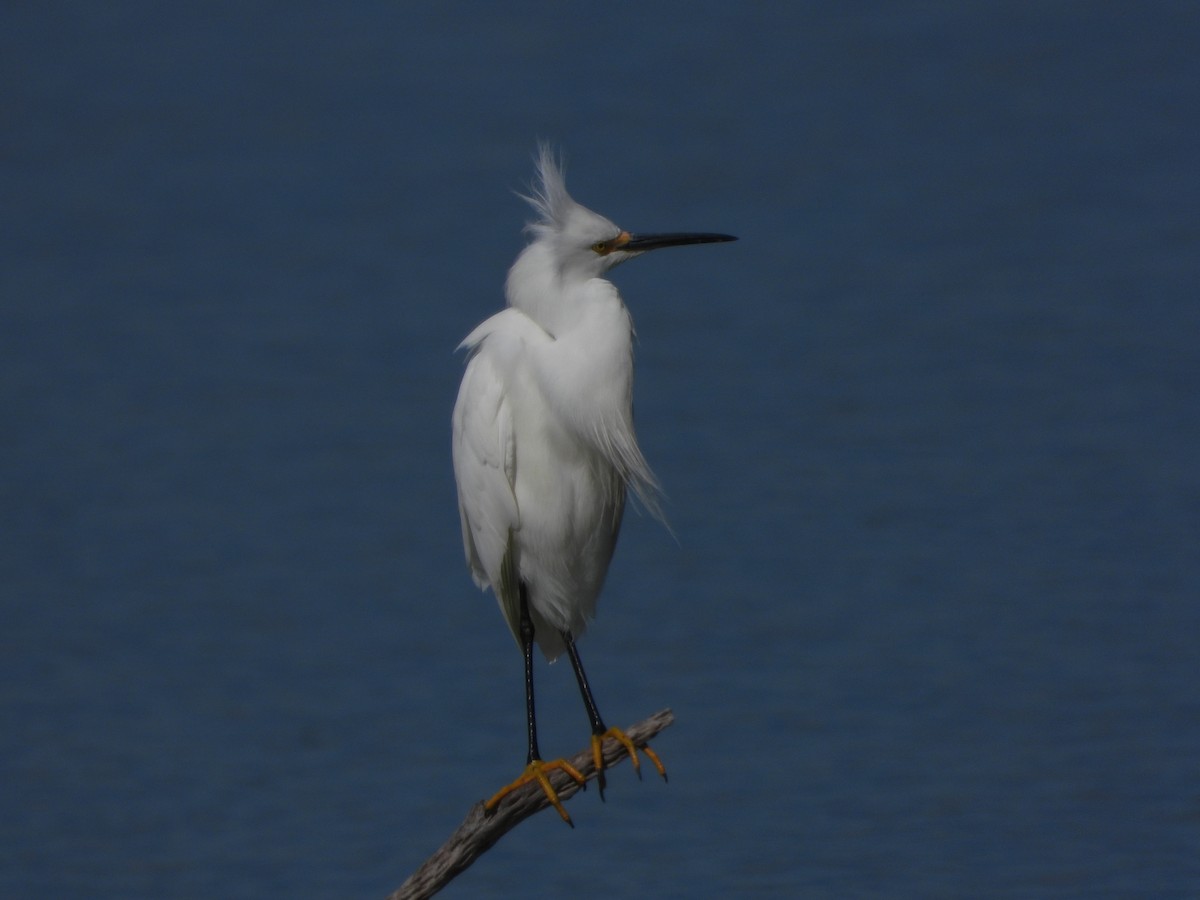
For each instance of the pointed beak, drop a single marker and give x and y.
(640, 243)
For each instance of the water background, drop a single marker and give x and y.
(929, 433)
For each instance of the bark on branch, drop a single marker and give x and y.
(480, 830)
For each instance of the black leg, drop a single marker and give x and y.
(527, 648)
(599, 731)
(536, 770)
(589, 701)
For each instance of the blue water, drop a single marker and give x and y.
(929, 431)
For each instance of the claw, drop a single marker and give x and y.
(536, 771)
(653, 757)
(598, 761)
(623, 739)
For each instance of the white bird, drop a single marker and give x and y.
(543, 441)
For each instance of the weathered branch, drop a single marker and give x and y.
(480, 829)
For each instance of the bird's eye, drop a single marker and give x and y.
(601, 247)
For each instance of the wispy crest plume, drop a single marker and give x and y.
(548, 194)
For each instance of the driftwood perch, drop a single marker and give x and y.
(480, 830)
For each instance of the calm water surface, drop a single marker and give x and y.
(929, 433)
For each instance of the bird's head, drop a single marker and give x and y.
(574, 240)
(582, 243)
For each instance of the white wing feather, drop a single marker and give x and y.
(484, 453)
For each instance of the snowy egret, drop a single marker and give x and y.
(544, 446)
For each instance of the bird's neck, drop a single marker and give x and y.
(585, 372)
(559, 301)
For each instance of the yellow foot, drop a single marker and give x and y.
(621, 738)
(536, 771)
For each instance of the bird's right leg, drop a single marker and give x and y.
(535, 768)
(600, 731)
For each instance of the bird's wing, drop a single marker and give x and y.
(484, 454)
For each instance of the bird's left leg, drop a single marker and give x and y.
(535, 769)
(600, 731)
